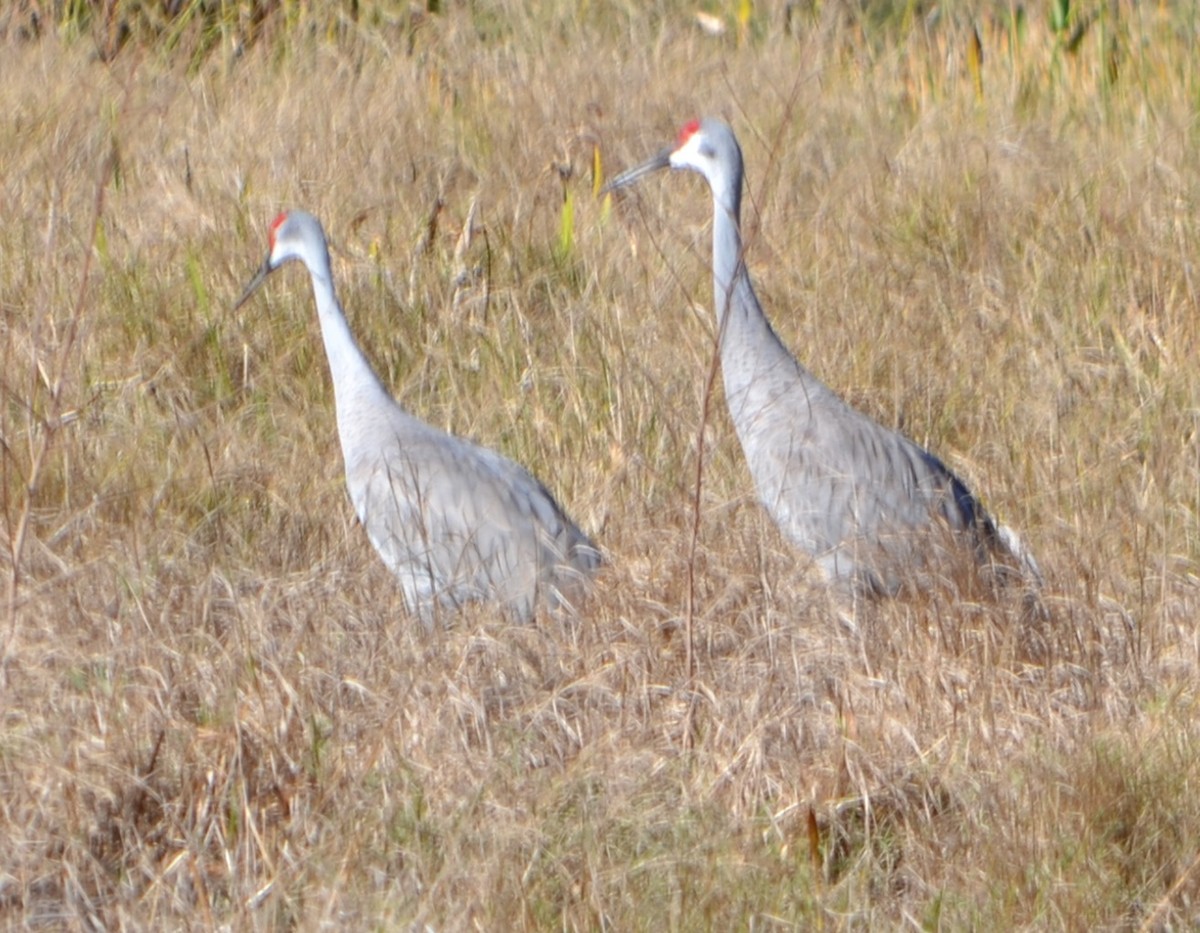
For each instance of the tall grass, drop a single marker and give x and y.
(976, 224)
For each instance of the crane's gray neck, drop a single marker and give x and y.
(740, 319)
(352, 374)
(731, 282)
(755, 365)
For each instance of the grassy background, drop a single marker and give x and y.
(214, 709)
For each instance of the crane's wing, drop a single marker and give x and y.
(458, 522)
(865, 500)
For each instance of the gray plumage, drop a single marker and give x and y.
(454, 521)
(872, 507)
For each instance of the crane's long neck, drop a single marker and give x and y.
(354, 381)
(755, 364)
(731, 282)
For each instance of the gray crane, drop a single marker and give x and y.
(454, 521)
(873, 508)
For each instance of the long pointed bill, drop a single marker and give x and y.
(655, 163)
(259, 277)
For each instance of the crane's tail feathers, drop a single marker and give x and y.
(1011, 543)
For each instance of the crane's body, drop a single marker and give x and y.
(456, 522)
(870, 506)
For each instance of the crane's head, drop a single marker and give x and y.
(706, 146)
(292, 235)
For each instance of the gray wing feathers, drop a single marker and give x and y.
(860, 497)
(457, 522)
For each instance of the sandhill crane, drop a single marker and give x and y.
(865, 501)
(454, 521)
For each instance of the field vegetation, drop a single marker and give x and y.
(978, 222)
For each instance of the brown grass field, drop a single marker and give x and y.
(215, 710)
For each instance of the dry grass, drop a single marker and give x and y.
(214, 708)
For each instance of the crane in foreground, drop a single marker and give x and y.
(871, 507)
(456, 522)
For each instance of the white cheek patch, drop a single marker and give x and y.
(688, 155)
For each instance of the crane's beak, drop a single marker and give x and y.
(259, 277)
(655, 163)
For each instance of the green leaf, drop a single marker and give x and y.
(566, 225)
